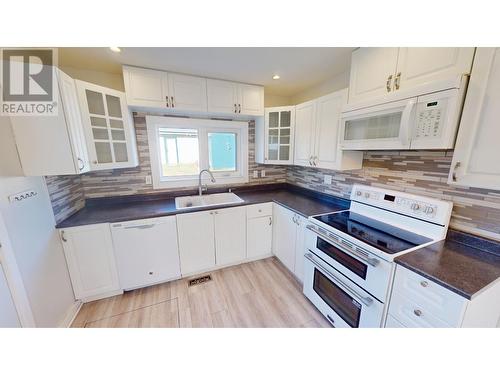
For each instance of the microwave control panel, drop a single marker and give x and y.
(430, 118)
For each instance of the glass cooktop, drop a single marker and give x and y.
(380, 235)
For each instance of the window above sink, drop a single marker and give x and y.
(181, 147)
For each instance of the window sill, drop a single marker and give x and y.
(194, 182)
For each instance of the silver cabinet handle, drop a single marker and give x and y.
(166, 99)
(235, 109)
(367, 301)
(331, 320)
(424, 283)
(417, 312)
(82, 163)
(388, 83)
(172, 101)
(63, 238)
(397, 80)
(454, 174)
(270, 220)
(371, 261)
(239, 108)
(143, 226)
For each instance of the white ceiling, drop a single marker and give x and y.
(299, 67)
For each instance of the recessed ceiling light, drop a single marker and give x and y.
(115, 49)
(276, 76)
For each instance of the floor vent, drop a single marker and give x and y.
(200, 280)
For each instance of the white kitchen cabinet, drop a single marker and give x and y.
(91, 262)
(274, 137)
(288, 239)
(196, 241)
(372, 73)
(146, 251)
(317, 134)
(380, 75)
(108, 125)
(475, 159)
(146, 87)
(259, 230)
(187, 93)
(233, 98)
(53, 145)
(230, 235)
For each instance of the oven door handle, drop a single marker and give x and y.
(371, 261)
(367, 301)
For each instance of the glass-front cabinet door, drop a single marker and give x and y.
(280, 124)
(108, 127)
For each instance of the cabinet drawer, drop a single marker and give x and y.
(429, 296)
(259, 210)
(391, 322)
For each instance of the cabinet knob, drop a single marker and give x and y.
(417, 312)
(150, 272)
(94, 161)
(424, 283)
(166, 99)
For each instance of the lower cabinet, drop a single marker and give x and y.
(211, 238)
(146, 251)
(288, 239)
(91, 261)
(259, 230)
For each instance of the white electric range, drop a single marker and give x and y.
(349, 254)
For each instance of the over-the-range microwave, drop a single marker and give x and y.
(423, 122)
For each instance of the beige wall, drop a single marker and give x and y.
(111, 80)
(338, 82)
(276, 100)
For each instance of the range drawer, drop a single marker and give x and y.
(259, 210)
(424, 301)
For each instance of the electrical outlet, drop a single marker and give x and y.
(263, 173)
(327, 179)
(148, 180)
(255, 174)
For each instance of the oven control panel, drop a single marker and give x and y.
(401, 202)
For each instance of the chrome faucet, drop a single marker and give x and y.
(200, 187)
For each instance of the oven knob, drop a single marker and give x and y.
(415, 206)
(429, 210)
(367, 195)
(358, 193)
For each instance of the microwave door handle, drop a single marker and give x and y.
(367, 301)
(407, 120)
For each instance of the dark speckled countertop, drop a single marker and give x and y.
(462, 263)
(108, 210)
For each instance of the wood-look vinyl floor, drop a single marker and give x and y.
(257, 294)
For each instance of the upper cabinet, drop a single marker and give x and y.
(157, 89)
(108, 127)
(387, 74)
(317, 126)
(475, 159)
(275, 138)
(180, 93)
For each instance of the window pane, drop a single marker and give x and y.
(179, 152)
(95, 102)
(222, 152)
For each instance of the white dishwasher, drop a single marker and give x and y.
(146, 251)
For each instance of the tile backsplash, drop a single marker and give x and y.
(419, 172)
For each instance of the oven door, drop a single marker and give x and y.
(371, 273)
(383, 127)
(341, 301)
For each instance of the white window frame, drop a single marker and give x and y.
(204, 126)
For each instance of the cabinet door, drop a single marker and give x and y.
(475, 159)
(372, 73)
(259, 237)
(284, 236)
(230, 235)
(279, 137)
(305, 117)
(300, 248)
(8, 312)
(328, 112)
(187, 93)
(69, 97)
(196, 241)
(146, 87)
(250, 100)
(146, 251)
(426, 66)
(90, 258)
(108, 127)
(222, 96)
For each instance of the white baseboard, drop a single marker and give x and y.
(71, 314)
